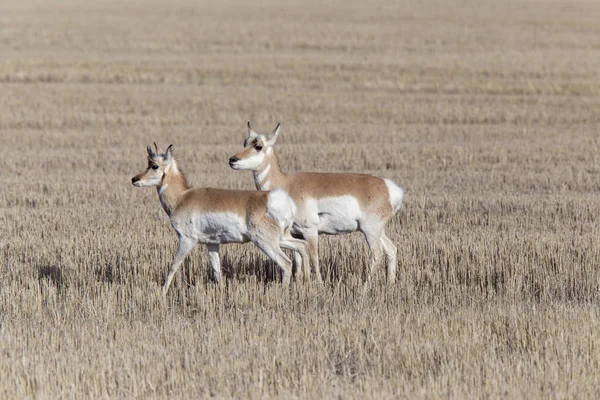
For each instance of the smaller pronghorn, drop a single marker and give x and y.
(216, 216)
(332, 203)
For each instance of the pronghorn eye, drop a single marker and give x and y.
(154, 166)
(258, 147)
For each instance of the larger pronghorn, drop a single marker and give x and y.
(333, 203)
(216, 216)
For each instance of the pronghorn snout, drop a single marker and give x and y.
(135, 180)
(233, 160)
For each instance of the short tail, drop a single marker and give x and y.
(281, 208)
(396, 195)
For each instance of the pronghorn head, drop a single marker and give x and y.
(256, 147)
(160, 162)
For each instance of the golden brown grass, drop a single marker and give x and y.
(486, 113)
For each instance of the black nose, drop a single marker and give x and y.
(233, 160)
(133, 180)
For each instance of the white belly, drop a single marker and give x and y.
(338, 214)
(215, 228)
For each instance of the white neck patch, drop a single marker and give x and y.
(261, 177)
(162, 189)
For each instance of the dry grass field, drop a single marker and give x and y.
(488, 113)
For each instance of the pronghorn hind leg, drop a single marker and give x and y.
(215, 261)
(313, 250)
(276, 254)
(300, 254)
(373, 236)
(391, 253)
(298, 266)
(185, 246)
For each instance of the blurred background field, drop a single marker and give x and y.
(485, 112)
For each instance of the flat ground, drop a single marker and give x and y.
(486, 112)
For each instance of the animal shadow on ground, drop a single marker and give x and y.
(250, 264)
(105, 273)
(191, 273)
(110, 272)
(51, 273)
(266, 271)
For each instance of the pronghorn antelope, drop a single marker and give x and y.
(216, 216)
(333, 203)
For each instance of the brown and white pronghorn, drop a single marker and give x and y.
(329, 203)
(215, 216)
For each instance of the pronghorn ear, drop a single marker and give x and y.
(159, 150)
(273, 136)
(169, 153)
(150, 152)
(251, 133)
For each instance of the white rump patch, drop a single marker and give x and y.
(396, 195)
(281, 208)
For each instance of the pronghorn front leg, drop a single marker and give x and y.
(215, 260)
(185, 246)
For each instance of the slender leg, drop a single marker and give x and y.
(391, 253)
(215, 261)
(185, 246)
(300, 254)
(373, 236)
(313, 250)
(283, 262)
(297, 265)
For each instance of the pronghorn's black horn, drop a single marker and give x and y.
(159, 150)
